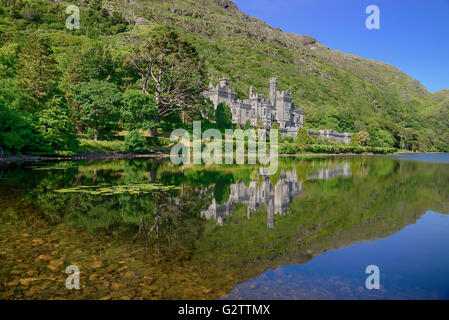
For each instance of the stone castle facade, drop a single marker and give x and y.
(279, 108)
(257, 109)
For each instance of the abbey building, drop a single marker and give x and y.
(262, 112)
(258, 110)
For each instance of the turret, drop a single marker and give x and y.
(224, 82)
(273, 90)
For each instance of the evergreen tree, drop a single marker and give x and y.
(303, 137)
(37, 70)
(223, 116)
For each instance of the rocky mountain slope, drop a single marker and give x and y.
(328, 84)
(337, 90)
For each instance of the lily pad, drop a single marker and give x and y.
(110, 190)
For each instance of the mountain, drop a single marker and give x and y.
(338, 91)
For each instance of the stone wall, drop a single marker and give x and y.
(332, 135)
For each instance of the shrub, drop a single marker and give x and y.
(287, 148)
(355, 140)
(135, 142)
(303, 137)
(101, 146)
(247, 125)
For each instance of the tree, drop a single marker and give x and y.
(171, 69)
(355, 140)
(135, 142)
(93, 62)
(38, 70)
(98, 103)
(247, 125)
(223, 116)
(411, 138)
(55, 126)
(346, 121)
(275, 125)
(16, 131)
(8, 60)
(303, 137)
(364, 137)
(138, 110)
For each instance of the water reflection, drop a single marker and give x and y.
(164, 231)
(261, 192)
(330, 173)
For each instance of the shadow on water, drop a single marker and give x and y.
(150, 229)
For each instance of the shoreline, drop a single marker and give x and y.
(83, 156)
(117, 156)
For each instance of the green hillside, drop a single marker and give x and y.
(337, 90)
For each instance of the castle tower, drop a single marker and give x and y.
(273, 90)
(224, 82)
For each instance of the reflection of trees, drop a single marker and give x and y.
(166, 220)
(175, 222)
(380, 198)
(222, 188)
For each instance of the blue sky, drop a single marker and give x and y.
(413, 35)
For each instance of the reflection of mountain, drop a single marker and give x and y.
(277, 199)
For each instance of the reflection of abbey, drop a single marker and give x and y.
(277, 199)
(261, 111)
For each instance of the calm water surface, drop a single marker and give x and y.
(147, 229)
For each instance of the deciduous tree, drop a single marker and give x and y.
(99, 104)
(138, 110)
(171, 69)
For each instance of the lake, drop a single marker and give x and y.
(148, 229)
